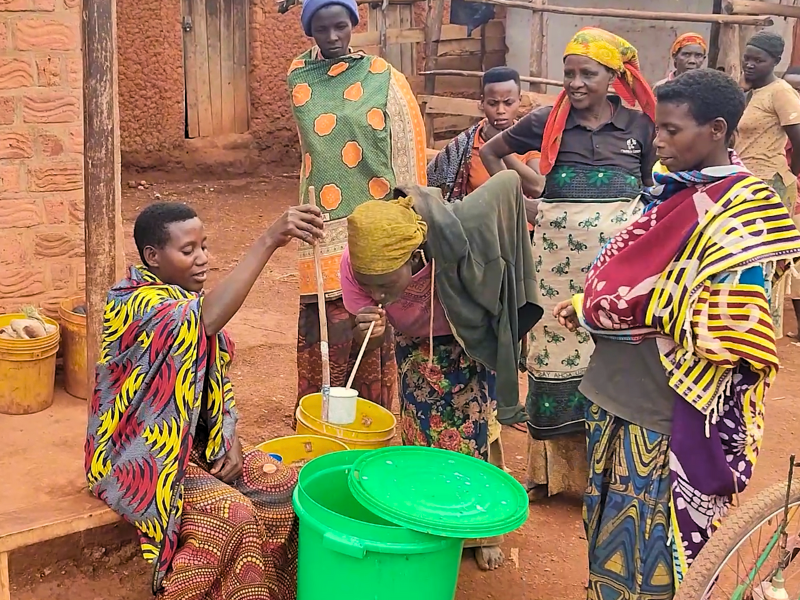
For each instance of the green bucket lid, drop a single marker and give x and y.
(439, 492)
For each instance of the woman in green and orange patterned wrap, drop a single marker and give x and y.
(361, 134)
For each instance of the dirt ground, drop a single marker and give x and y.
(546, 557)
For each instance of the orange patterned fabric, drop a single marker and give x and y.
(236, 542)
(610, 51)
(688, 39)
(361, 134)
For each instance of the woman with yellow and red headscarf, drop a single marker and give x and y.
(688, 52)
(597, 154)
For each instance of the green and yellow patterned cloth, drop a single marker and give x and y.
(361, 134)
(583, 208)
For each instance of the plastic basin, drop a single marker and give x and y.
(27, 370)
(73, 347)
(293, 449)
(303, 427)
(374, 426)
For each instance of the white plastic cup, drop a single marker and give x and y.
(342, 407)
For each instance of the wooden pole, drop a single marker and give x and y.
(749, 7)
(624, 13)
(730, 58)
(745, 33)
(323, 321)
(433, 32)
(460, 73)
(105, 257)
(538, 48)
(795, 59)
(713, 41)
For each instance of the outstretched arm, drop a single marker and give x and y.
(221, 303)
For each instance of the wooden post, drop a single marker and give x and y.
(101, 166)
(538, 47)
(730, 58)
(433, 32)
(713, 41)
(745, 33)
(5, 583)
(519, 40)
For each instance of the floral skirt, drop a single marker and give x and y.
(447, 403)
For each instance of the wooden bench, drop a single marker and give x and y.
(41, 523)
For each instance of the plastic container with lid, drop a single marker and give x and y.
(374, 524)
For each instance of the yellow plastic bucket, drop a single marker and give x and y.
(296, 450)
(73, 346)
(27, 370)
(374, 426)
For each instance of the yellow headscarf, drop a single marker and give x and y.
(608, 49)
(382, 236)
(613, 52)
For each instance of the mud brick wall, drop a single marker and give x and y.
(151, 81)
(41, 147)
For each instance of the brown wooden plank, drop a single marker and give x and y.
(241, 85)
(494, 59)
(227, 70)
(441, 105)
(204, 119)
(494, 28)
(433, 34)
(466, 107)
(411, 35)
(214, 62)
(471, 46)
(459, 86)
(452, 124)
(408, 63)
(391, 20)
(190, 74)
(468, 62)
(42, 522)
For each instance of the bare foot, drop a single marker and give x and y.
(537, 493)
(489, 558)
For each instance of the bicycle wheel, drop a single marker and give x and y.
(738, 550)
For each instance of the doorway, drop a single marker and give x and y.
(215, 54)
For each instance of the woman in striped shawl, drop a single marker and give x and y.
(678, 303)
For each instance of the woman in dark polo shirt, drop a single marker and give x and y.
(596, 155)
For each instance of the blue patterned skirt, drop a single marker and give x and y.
(626, 510)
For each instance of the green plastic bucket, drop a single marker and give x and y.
(350, 553)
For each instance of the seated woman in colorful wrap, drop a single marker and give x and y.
(361, 134)
(676, 399)
(456, 281)
(214, 517)
(596, 155)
